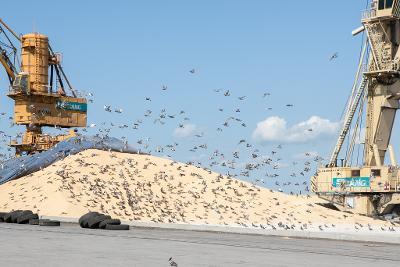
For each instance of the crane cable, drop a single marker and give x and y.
(58, 65)
(357, 129)
(351, 108)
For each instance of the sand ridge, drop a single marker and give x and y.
(145, 188)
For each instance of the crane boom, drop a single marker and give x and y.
(4, 53)
(7, 64)
(10, 30)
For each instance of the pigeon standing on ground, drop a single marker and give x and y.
(172, 262)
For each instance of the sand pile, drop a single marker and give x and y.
(151, 189)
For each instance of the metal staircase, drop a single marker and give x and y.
(348, 119)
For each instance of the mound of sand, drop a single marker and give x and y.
(151, 189)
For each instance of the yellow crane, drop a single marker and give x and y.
(372, 187)
(37, 102)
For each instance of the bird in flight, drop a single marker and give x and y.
(107, 108)
(266, 94)
(334, 56)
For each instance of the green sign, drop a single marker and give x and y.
(72, 106)
(351, 182)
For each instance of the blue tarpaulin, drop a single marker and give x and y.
(18, 167)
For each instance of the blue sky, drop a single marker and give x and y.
(126, 51)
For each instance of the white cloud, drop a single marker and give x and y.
(275, 129)
(185, 131)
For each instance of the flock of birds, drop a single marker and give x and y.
(247, 160)
(162, 190)
(152, 189)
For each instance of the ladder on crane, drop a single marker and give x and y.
(347, 122)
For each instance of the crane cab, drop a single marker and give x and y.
(384, 8)
(21, 83)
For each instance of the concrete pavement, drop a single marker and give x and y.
(69, 245)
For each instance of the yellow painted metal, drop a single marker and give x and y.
(36, 141)
(382, 179)
(45, 110)
(37, 106)
(7, 67)
(35, 60)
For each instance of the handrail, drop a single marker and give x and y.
(368, 13)
(392, 65)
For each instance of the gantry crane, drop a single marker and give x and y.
(37, 102)
(373, 187)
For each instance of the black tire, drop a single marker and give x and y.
(24, 219)
(2, 214)
(16, 215)
(34, 221)
(103, 224)
(83, 220)
(94, 222)
(117, 227)
(49, 223)
(8, 216)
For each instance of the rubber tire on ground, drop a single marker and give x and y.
(94, 222)
(103, 224)
(24, 219)
(15, 216)
(49, 223)
(7, 217)
(83, 220)
(117, 227)
(34, 221)
(2, 214)
(37, 221)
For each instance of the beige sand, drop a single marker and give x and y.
(147, 188)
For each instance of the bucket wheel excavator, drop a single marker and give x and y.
(37, 80)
